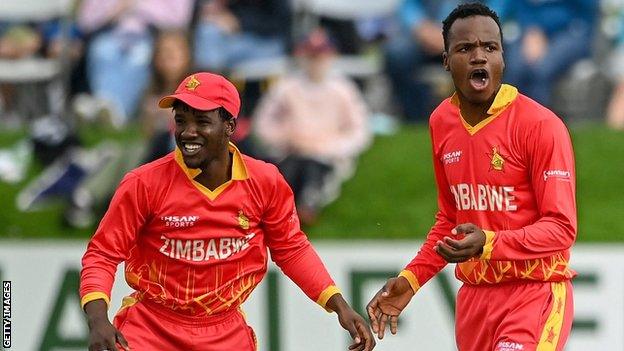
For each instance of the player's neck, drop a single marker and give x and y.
(473, 113)
(216, 172)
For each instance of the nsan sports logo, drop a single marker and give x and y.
(179, 221)
(509, 346)
(556, 173)
(451, 157)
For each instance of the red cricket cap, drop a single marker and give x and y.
(205, 91)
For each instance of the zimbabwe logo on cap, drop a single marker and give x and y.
(192, 83)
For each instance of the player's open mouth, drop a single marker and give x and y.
(190, 149)
(479, 79)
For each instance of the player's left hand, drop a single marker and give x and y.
(352, 322)
(461, 249)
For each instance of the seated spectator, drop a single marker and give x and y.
(615, 110)
(171, 62)
(121, 45)
(554, 34)
(232, 32)
(313, 123)
(418, 43)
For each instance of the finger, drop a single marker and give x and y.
(449, 254)
(394, 324)
(112, 346)
(382, 326)
(372, 316)
(367, 338)
(463, 228)
(122, 341)
(456, 244)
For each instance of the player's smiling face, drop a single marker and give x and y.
(202, 136)
(475, 58)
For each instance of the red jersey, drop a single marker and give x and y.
(512, 175)
(197, 251)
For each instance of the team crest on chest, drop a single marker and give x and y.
(243, 221)
(497, 161)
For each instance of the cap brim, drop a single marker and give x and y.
(192, 100)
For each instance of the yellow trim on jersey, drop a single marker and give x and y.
(489, 245)
(239, 172)
(326, 295)
(127, 301)
(505, 96)
(552, 328)
(92, 296)
(411, 278)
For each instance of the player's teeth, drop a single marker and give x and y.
(191, 147)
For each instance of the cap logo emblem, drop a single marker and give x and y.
(192, 83)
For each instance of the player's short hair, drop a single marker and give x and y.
(223, 113)
(468, 10)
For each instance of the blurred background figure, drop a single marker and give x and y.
(313, 124)
(551, 36)
(417, 47)
(120, 48)
(171, 62)
(615, 109)
(230, 32)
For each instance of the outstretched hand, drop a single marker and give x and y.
(352, 322)
(469, 243)
(387, 305)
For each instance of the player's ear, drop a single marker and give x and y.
(230, 126)
(445, 63)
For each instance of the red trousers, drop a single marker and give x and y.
(147, 326)
(532, 316)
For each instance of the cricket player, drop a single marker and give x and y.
(193, 229)
(504, 169)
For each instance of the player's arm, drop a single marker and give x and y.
(390, 301)
(551, 166)
(293, 253)
(109, 246)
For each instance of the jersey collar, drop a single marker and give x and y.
(505, 96)
(239, 170)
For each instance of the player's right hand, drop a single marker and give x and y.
(387, 305)
(104, 336)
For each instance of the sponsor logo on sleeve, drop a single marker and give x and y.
(556, 173)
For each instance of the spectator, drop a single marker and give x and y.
(171, 62)
(121, 46)
(615, 110)
(418, 43)
(231, 32)
(315, 125)
(554, 34)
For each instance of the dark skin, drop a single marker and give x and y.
(475, 60)
(203, 138)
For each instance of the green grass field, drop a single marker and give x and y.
(392, 195)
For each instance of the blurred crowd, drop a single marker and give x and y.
(317, 82)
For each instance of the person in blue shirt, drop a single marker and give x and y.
(418, 43)
(554, 34)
